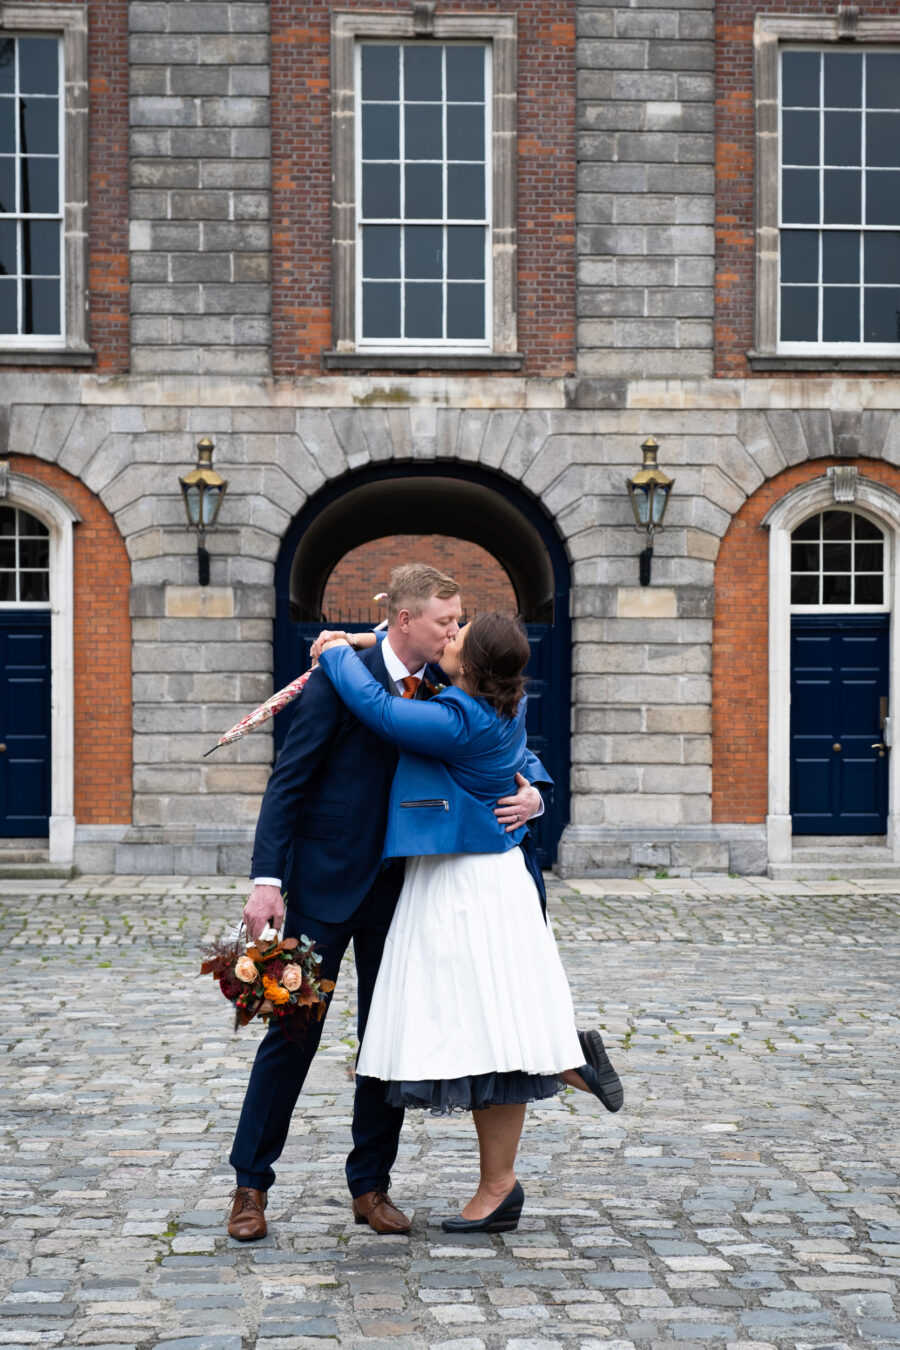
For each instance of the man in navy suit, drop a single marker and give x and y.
(320, 832)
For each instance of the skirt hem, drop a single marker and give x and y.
(472, 1092)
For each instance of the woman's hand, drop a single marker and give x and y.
(358, 641)
(330, 642)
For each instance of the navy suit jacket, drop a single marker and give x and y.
(322, 822)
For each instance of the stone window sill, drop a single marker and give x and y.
(58, 357)
(423, 361)
(857, 364)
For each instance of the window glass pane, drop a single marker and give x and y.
(465, 74)
(868, 557)
(842, 80)
(7, 520)
(882, 197)
(465, 192)
(423, 317)
(840, 257)
(465, 131)
(883, 80)
(843, 138)
(882, 257)
(8, 265)
(7, 184)
(840, 314)
(424, 130)
(34, 586)
(424, 191)
(465, 311)
(30, 525)
(40, 186)
(39, 127)
(804, 590)
(800, 138)
(836, 557)
(799, 255)
(810, 529)
(424, 251)
(380, 71)
(7, 586)
(837, 525)
(40, 248)
(869, 590)
(7, 66)
(38, 65)
(882, 315)
(40, 307)
(465, 253)
(8, 126)
(381, 131)
(422, 78)
(883, 139)
(799, 313)
(381, 190)
(804, 557)
(7, 552)
(8, 303)
(381, 251)
(36, 552)
(836, 589)
(800, 196)
(800, 79)
(866, 529)
(843, 197)
(381, 309)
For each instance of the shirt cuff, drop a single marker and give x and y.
(267, 881)
(540, 811)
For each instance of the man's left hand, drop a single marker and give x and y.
(514, 811)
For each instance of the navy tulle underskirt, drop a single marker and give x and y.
(474, 1092)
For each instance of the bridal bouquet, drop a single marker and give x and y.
(279, 981)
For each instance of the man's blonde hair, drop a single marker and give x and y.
(412, 586)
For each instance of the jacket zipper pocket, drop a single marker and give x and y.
(430, 801)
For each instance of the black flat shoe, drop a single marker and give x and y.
(599, 1073)
(504, 1219)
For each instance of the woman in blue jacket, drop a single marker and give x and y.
(471, 1009)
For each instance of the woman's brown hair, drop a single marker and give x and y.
(495, 653)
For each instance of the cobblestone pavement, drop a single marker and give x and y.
(747, 1197)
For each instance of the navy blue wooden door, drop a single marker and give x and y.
(550, 748)
(25, 724)
(839, 677)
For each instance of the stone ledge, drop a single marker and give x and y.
(858, 365)
(410, 361)
(60, 357)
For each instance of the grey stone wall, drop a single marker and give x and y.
(646, 107)
(200, 177)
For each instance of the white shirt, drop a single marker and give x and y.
(397, 672)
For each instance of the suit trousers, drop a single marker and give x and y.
(280, 1067)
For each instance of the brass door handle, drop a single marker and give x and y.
(879, 745)
(836, 746)
(2, 748)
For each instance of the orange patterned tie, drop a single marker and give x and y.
(410, 685)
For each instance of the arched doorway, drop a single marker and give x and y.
(465, 503)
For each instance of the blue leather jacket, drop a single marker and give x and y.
(457, 757)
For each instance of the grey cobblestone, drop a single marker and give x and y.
(745, 1199)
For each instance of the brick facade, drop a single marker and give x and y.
(108, 261)
(365, 570)
(740, 672)
(302, 182)
(102, 652)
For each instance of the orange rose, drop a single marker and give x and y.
(292, 978)
(274, 990)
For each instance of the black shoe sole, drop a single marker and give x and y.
(609, 1087)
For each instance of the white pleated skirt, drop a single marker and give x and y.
(471, 991)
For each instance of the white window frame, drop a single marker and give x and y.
(887, 571)
(771, 33)
(348, 30)
(425, 344)
(68, 22)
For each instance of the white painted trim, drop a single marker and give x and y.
(60, 519)
(818, 495)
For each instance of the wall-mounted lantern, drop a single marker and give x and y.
(649, 493)
(203, 491)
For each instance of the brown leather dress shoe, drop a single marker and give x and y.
(248, 1220)
(377, 1210)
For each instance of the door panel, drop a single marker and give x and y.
(25, 724)
(839, 674)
